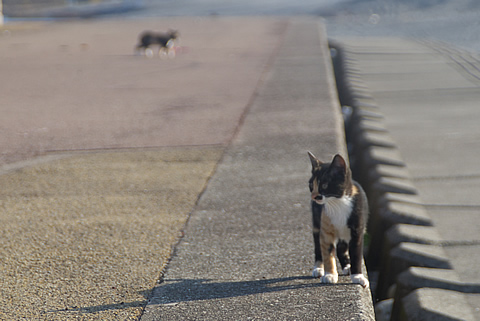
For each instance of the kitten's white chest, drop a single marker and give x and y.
(338, 211)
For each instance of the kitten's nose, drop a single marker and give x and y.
(317, 197)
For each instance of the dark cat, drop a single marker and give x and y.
(165, 41)
(340, 213)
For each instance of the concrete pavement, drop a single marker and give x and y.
(423, 96)
(247, 250)
(75, 86)
(83, 220)
(105, 154)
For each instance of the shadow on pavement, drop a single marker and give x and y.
(184, 290)
(176, 291)
(104, 307)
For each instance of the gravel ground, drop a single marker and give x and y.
(86, 237)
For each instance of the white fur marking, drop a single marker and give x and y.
(149, 52)
(318, 270)
(346, 269)
(339, 210)
(344, 234)
(329, 278)
(360, 279)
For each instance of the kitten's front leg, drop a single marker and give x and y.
(356, 250)
(318, 270)
(360, 279)
(328, 246)
(331, 274)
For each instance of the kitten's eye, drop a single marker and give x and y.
(324, 186)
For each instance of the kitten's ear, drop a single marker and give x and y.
(315, 161)
(339, 163)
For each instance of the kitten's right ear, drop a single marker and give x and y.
(315, 161)
(339, 163)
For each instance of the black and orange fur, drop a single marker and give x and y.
(165, 41)
(340, 213)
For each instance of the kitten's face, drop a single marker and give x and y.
(173, 34)
(328, 179)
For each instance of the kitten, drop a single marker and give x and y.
(165, 41)
(340, 213)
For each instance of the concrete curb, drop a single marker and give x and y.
(243, 255)
(402, 257)
(405, 248)
(385, 214)
(434, 305)
(417, 278)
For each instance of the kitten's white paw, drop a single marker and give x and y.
(329, 278)
(318, 272)
(360, 279)
(346, 270)
(149, 52)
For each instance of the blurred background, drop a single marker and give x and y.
(79, 86)
(452, 21)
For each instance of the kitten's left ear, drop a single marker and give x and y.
(339, 163)
(315, 161)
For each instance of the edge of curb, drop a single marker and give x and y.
(415, 277)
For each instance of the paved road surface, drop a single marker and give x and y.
(75, 86)
(87, 234)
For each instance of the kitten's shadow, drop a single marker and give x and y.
(174, 291)
(185, 290)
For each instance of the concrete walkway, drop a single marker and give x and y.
(247, 249)
(429, 94)
(105, 154)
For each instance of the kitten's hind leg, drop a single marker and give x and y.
(343, 257)
(318, 270)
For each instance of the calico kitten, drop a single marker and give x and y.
(165, 41)
(340, 213)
